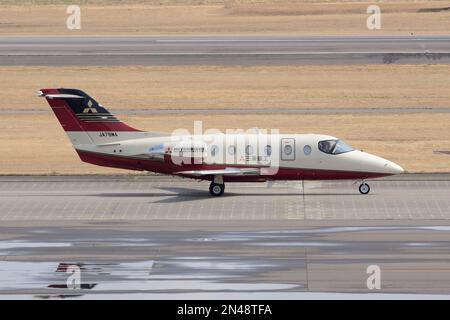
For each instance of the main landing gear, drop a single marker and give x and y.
(364, 188)
(217, 186)
(216, 189)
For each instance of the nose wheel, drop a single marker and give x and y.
(216, 189)
(364, 188)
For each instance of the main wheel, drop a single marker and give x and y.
(216, 189)
(364, 188)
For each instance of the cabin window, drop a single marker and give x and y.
(334, 147)
(287, 149)
(214, 150)
(307, 150)
(231, 150)
(268, 150)
(248, 150)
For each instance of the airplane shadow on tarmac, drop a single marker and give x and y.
(186, 194)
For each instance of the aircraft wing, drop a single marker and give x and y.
(222, 172)
(155, 156)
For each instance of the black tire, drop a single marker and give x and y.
(364, 188)
(216, 189)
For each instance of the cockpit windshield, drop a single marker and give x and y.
(342, 147)
(334, 147)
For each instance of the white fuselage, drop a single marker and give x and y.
(287, 151)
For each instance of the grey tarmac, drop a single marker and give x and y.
(234, 110)
(240, 50)
(151, 236)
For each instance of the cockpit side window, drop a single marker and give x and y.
(334, 146)
(327, 146)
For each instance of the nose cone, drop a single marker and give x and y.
(393, 168)
(372, 163)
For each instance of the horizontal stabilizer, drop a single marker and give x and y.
(62, 96)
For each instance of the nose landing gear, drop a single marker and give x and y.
(364, 188)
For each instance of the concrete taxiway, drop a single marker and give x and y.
(55, 51)
(267, 111)
(169, 198)
(164, 237)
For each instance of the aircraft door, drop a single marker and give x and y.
(288, 149)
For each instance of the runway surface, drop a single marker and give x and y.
(167, 198)
(59, 51)
(160, 237)
(204, 111)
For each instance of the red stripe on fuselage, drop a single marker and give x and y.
(168, 167)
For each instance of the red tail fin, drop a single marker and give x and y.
(76, 111)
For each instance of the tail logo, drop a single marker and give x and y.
(89, 108)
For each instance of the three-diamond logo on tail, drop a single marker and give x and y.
(89, 108)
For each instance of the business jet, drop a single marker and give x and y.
(102, 139)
